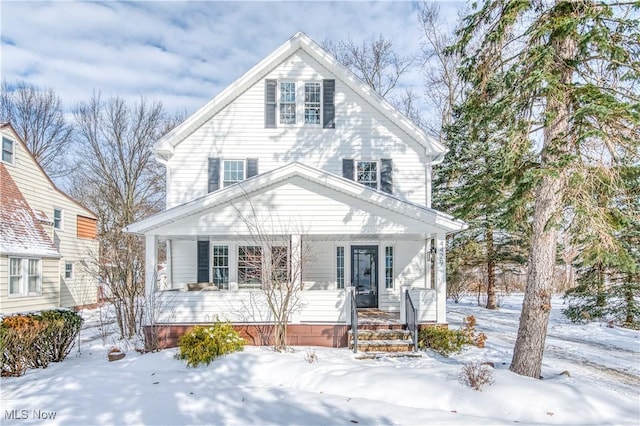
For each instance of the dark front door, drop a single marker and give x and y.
(364, 275)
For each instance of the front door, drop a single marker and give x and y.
(364, 275)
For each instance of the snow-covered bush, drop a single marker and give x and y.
(204, 344)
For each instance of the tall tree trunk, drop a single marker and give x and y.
(491, 270)
(550, 190)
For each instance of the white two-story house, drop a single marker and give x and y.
(298, 149)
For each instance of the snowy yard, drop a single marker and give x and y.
(258, 386)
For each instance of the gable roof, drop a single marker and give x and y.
(356, 191)
(165, 145)
(21, 233)
(14, 135)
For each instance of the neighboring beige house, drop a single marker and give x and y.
(303, 149)
(48, 244)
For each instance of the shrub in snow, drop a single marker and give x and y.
(475, 375)
(443, 340)
(62, 328)
(311, 356)
(469, 328)
(204, 344)
(35, 340)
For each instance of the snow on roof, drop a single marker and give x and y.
(21, 233)
(42, 217)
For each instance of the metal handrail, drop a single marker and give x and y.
(411, 319)
(354, 320)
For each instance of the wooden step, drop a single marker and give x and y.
(386, 345)
(379, 355)
(381, 335)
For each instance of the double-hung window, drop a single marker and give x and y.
(312, 102)
(279, 265)
(68, 270)
(233, 172)
(8, 147)
(221, 266)
(24, 277)
(367, 173)
(287, 102)
(57, 218)
(249, 266)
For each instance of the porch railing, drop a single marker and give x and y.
(411, 319)
(354, 320)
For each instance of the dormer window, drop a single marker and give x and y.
(286, 101)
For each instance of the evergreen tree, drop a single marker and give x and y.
(536, 73)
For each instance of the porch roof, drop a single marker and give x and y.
(302, 197)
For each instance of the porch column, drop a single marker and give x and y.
(403, 303)
(151, 263)
(441, 278)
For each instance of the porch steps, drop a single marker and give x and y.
(383, 341)
(380, 355)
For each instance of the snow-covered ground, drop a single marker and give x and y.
(258, 386)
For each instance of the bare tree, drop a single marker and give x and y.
(443, 88)
(118, 179)
(37, 115)
(274, 263)
(375, 62)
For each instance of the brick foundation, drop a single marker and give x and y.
(328, 335)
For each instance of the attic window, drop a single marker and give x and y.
(7, 150)
(285, 101)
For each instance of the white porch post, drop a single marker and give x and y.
(441, 278)
(151, 263)
(403, 302)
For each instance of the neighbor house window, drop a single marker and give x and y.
(221, 267)
(287, 103)
(57, 218)
(367, 173)
(312, 103)
(7, 150)
(68, 270)
(24, 277)
(233, 172)
(388, 267)
(249, 266)
(340, 267)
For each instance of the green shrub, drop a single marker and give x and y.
(443, 340)
(20, 335)
(62, 328)
(35, 340)
(204, 344)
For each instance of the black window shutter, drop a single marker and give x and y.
(214, 175)
(348, 169)
(203, 261)
(386, 175)
(270, 104)
(252, 167)
(328, 104)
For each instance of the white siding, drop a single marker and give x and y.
(185, 263)
(425, 301)
(237, 132)
(293, 207)
(39, 192)
(48, 299)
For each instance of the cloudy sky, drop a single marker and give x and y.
(180, 53)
